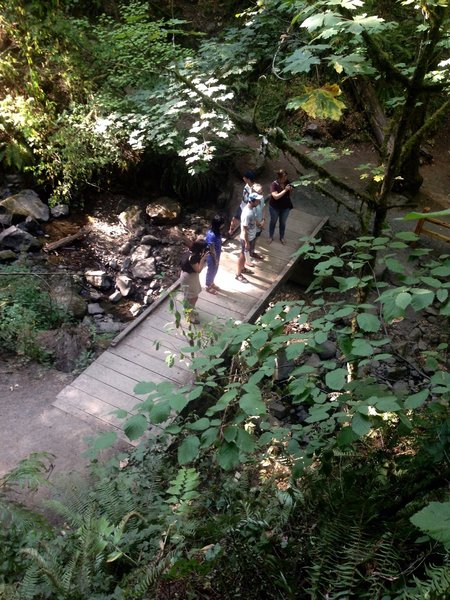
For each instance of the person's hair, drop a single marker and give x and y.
(216, 223)
(199, 246)
(280, 173)
(250, 175)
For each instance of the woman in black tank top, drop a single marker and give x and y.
(192, 264)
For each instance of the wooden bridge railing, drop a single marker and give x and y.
(420, 229)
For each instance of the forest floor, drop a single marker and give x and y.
(29, 421)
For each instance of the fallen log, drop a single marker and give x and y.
(66, 240)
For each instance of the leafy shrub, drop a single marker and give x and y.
(25, 309)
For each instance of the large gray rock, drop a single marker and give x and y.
(164, 210)
(60, 210)
(132, 218)
(18, 240)
(124, 284)
(144, 268)
(7, 255)
(140, 252)
(65, 295)
(26, 204)
(98, 279)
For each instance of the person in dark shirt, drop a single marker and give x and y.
(192, 264)
(280, 204)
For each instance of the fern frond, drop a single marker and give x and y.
(138, 582)
(435, 587)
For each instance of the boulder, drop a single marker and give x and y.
(150, 240)
(7, 255)
(67, 345)
(18, 240)
(144, 268)
(132, 218)
(124, 284)
(60, 210)
(140, 252)
(65, 294)
(98, 279)
(94, 308)
(164, 210)
(26, 204)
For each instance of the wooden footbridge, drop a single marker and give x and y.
(108, 383)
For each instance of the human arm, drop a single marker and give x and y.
(278, 193)
(197, 263)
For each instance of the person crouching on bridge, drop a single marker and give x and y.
(192, 264)
(248, 234)
(214, 241)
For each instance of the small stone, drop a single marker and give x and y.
(115, 296)
(125, 248)
(95, 309)
(327, 350)
(135, 309)
(98, 279)
(60, 210)
(278, 410)
(150, 240)
(124, 284)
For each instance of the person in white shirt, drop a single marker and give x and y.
(248, 234)
(260, 216)
(248, 178)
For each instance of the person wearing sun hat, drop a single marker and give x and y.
(248, 178)
(248, 234)
(259, 210)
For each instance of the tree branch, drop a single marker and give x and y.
(278, 138)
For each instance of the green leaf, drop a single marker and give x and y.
(135, 427)
(199, 425)
(361, 425)
(346, 437)
(300, 61)
(403, 300)
(441, 271)
(188, 449)
(252, 404)
(361, 348)
(395, 266)
(320, 103)
(416, 400)
(368, 322)
(179, 401)
(421, 298)
(387, 405)
(173, 429)
(320, 337)
(245, 441)
(434, 520)
(229, 433)
(144, 387)
(336, 379)
(159, 412)
(209, 437)
(317, 414)
(347, 283)
(104, 440)
(414, 216)
(442, 295)
(223, 402)
(228, 456)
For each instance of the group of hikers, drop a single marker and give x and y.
(251, 214)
